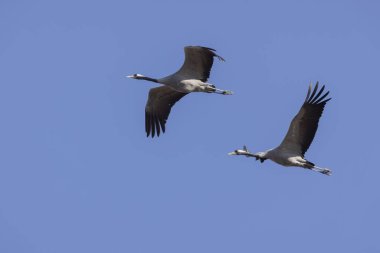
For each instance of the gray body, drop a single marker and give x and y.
(183, 85)
(284, 157)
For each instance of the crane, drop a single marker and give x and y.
(191, 77)
(299, 137)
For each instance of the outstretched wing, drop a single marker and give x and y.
(198, 62)
(305, 124)
(157, 109)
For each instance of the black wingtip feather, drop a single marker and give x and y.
(314, 91)
(220, 58)
(213, 52)
(325, 101)
(157, 126)
(147, 124)
(153, 128)
(162, 123)
(308, 92)
(317, 96)
(321, 98)
(208, 48)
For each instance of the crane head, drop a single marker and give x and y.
(136, 76)
(243, 151)
(259, 156)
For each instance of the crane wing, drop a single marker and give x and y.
(304, 125)
(157, 109)
(198, 63)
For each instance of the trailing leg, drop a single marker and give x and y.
(212, 89)
(321, 170)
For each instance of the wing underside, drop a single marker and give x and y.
(160, 101)
(304, 125)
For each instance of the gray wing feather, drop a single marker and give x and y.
(305, 124)
(160, 101)
(198, 62)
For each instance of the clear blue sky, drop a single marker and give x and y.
(77, 173)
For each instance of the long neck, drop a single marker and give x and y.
(251, 155)
(259, 156)
(248, 154)
(148, 79)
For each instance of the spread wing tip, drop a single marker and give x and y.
(220, 58)
(154, 128)
(318, 98)
(211, 50)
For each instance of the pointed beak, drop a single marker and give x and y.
(232, 153)
(131, 76)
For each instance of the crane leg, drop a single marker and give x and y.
(210, 88)
(321, 170)
(223, 92)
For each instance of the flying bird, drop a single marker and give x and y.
(299, 137)
(191, 77)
